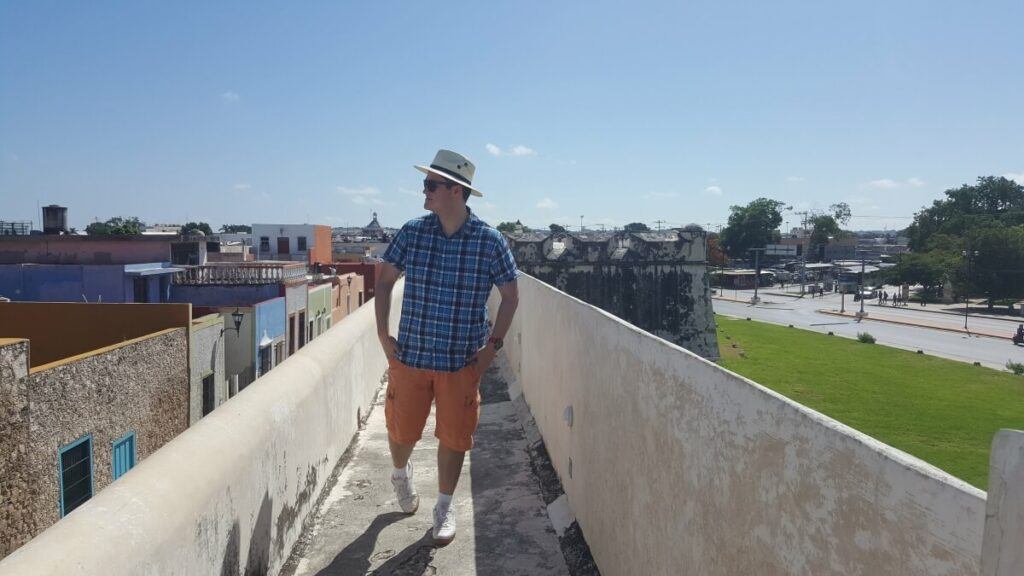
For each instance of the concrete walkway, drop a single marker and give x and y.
(503, 521)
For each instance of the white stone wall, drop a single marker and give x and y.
(673, 465)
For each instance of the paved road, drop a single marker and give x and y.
(804, 313)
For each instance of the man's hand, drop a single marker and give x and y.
(484, 357)
(390, 346)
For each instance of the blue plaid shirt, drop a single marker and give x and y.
(447, 282)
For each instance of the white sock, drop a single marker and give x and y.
(443, 501)
(401, 472)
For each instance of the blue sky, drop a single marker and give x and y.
(620, 112)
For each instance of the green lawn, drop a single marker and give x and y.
(941, 411)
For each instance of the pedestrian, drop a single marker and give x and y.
(451, 260)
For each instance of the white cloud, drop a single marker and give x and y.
(485, 207)
(660, 195)
(890, 184)
(408, 191)
(230, 97)
(365, 191)
(362, 196)
(547, 204)
(883, 184)
(1017, 177)
(713, 190)
(242, 187)
(518, 150)
(795, 179)
(521, 150)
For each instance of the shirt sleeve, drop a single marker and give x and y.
(397, 250)
(503, 264)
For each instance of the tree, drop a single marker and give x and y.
(823, 228)
(192, 227)
(557, 228)
(841, 213)
(636, 227)
(716, 256)
(509, 227)
(993, 200)
(980, 229)
(751, 226)
(235, 229)
(929, 269)
(117, 226)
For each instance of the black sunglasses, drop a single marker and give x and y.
(432, 185)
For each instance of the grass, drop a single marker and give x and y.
(942, 411)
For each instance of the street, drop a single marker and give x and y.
(806, 313)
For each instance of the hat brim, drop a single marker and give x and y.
(429, 170)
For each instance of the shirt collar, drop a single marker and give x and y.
(467, 227)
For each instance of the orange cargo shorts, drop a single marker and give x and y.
(410, 393)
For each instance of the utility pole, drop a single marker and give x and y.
(967, 286)
(861, 289)
(757, 272)
(581, 222)
(659, 223)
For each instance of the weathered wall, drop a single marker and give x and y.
(674, 465)
(140, 386)
(206, 356)
(60, 330)
(230, 494)
(16, 487)
(660, 286)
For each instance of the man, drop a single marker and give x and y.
(451, 259)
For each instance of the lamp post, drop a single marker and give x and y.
(967, 284)
(757, 271)
(236, 318)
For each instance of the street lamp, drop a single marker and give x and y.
(236, 318)
(967, 284)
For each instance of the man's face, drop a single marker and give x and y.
(445, 194)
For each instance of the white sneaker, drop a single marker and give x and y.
(444, 527)
(408, 499)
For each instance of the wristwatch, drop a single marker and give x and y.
(498, 343)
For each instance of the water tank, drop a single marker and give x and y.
(55, 219)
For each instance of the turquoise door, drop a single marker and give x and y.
(124, 455)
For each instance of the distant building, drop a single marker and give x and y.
(375, 231)
(248, 287)
(369, 271)
(15, 228)
(347, 294)
(87, 390)
(309, 243)
(655, 280)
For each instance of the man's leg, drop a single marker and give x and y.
(449, 468)
(400, 453)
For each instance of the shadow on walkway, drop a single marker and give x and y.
(356, 557)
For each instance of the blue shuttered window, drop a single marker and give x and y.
(124, 455)
(75, 461)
